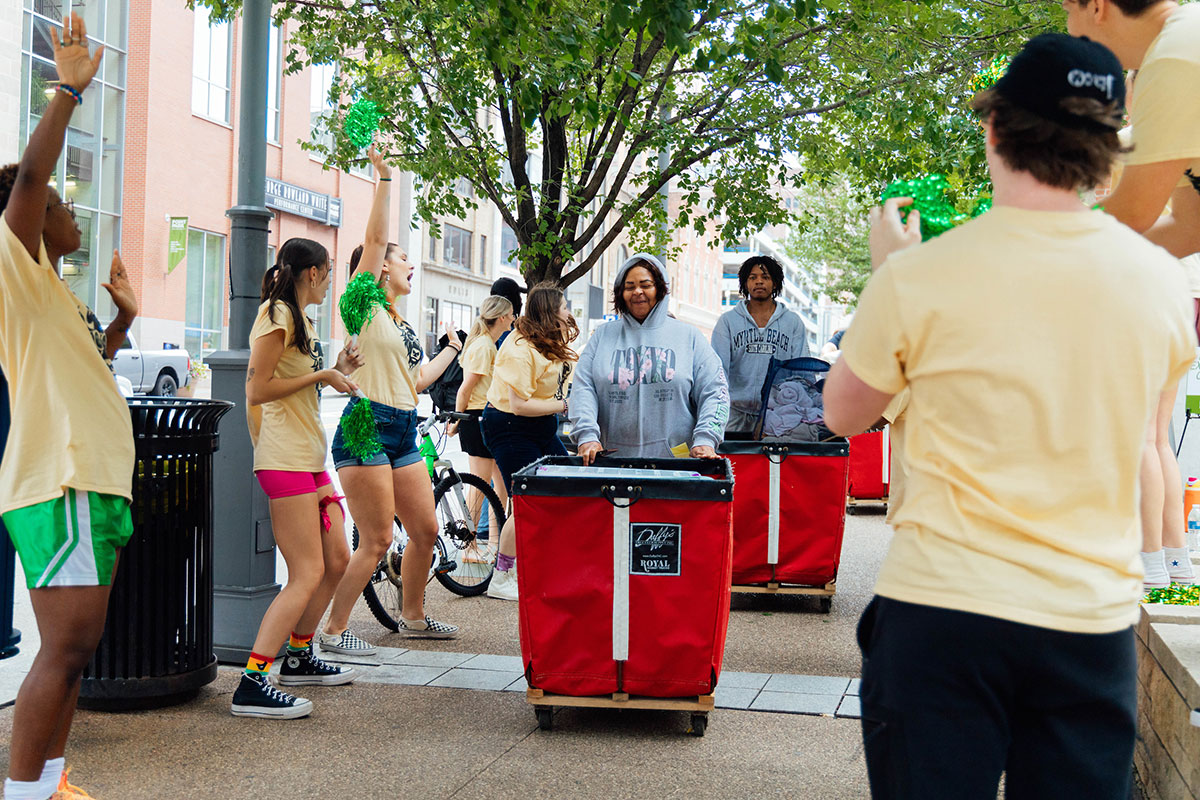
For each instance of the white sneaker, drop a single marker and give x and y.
(1155, 566)
(1179, 565)
(503, 585)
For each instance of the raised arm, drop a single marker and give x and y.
(375, 240)
(26, 209)
(123, 298)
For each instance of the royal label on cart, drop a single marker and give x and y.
(654, 548)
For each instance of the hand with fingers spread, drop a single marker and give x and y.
(76, 67)
(889, 233)
(382, 168)
(121, 291)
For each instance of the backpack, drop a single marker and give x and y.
(444, 391)
(793, 407)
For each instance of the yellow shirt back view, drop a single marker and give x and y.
(1036, 346)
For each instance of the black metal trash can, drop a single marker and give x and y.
(157, 647)
(9, 636)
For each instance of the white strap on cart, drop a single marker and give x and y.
(773, 511)
(885, 441)
(620, 613)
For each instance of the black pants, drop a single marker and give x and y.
(950, 700)
(516, 442)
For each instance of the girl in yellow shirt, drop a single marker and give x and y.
(394, 483)
(528, 392)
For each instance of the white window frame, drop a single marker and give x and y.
(205, 35)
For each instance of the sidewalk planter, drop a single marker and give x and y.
(1167, 753)
(157, 647)
(870, 462)
(789, 514)
(623, 576)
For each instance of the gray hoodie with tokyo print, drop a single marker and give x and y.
(642, 388)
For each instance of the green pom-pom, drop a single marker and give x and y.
(359, 436)
(929, 198)
(363, 296)
(362, 120)
(986, 78)
(982, 206)
(1176, 594)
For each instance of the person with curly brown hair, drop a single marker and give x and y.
(529, 390)
(65, 488)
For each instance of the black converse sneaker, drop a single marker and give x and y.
(305, 669)
(256, 697)
(428, 628)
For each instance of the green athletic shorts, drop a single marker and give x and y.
(70, 541)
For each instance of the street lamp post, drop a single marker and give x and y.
(243, 544)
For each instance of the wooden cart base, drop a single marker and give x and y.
(866, 502)
(543, 706)
(823, 593)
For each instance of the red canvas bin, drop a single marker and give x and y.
(624, 582)
(870, 461)
(789, 510)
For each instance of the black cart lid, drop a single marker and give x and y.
(644, 478)
(736, 447)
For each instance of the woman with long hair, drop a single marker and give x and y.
(528, 392)
(66, 477)
(478, 358)
(283, 385)
(394, 482)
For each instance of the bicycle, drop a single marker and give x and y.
(461, 562)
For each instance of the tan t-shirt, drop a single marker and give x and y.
(392, 355)
(1036, 346)
(521, 367)
(1165, 108)
(897, 476)
(70, 425)
(287, 433)
(477, 358)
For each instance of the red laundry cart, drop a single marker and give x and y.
(870, 465)
(789, 514)
(623, 575)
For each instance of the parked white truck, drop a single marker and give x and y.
(155, 372)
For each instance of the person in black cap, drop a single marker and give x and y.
(999, 639)
(511, 291)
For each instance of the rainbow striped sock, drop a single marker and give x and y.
(259, 665)
(298, 643)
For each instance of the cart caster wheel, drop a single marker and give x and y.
(824, 604)
(545, 718)
(699, 724)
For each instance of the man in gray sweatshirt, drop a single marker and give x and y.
(748, 335)
(647, 383)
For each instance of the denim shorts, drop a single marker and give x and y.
(397, 430)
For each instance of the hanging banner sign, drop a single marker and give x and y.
(177, 245)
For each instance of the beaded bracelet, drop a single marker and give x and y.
(71, 90)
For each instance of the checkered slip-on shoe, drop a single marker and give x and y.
(345, 643)
(432, 629)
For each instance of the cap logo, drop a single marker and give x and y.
(1080, 78)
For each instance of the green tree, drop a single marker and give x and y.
(620, 98)
(829, 235)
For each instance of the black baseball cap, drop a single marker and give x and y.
(1053, 67)
(511, 291)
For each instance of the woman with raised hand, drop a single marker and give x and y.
(394, 482)
(283, 408)
(528, 392)
(479, 356)
(65, 487)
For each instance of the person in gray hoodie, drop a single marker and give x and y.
(647, 384)
(748, 335)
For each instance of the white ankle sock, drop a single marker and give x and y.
(1179, 564)
(53, 770)
(28, 790)
(1155, 566)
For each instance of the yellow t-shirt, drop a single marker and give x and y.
(477, 358)
(894, 414)
(392, 357)
(526, 371)
(1165, 108)
(70, 425)
(1036, 346)
(287, 433)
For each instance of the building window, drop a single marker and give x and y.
(210, 67)
(89, 169)
(431, 327)
(319, 105)
(204, 313)
(456, 247)
(458, 315)
(483, 255)
(433, 248)
(274, 82)
(508, 246)
(463, 187)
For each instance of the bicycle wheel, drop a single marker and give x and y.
(384, 593)
(474, 560)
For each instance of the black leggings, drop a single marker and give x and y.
(516, 442)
